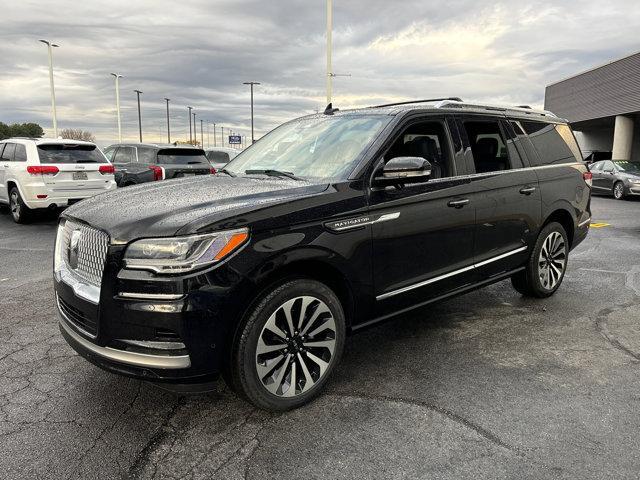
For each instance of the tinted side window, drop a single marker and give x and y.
(146, 155)
(7, 154)
(218, 157)
(608, 166)
(490, 152)
(108, 152)
(597, 166)
(554, 143)
(124, 155)
(20, 154)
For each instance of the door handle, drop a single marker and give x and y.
(5, 166)
(458, 203)
(527, 190)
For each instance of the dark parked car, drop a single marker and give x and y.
(327, 225)
(616, 177)
(220, 156)
(140, 162)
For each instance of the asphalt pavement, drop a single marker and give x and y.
(487, 385)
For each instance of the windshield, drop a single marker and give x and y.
(632, 167)
(70, 153)
(184, 156)
(315, 147)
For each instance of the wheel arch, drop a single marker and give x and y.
(564, 218)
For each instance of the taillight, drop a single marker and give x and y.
(213, 171)
(158, 174)
(107, 169)
(588, 178)
(42, 170)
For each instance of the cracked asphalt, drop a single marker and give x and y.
(488, 385)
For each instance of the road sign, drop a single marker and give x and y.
(235, 139)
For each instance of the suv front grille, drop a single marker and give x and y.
(78, 318)
(86, 257)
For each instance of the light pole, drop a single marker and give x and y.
(195, 129)
(222, 135)
(215, 142)
(251, 84)
(168, 126)
(208, 138)
(329, 50)
(138, 92)
(190, 108)
(53, 91)
(201, 135)
(118, 77)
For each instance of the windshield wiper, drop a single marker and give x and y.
(224, 170)
(273, 173)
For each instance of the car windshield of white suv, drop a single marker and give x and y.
(70, 153)
(319, 147)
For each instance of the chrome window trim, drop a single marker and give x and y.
(143, 360)
(447, 275)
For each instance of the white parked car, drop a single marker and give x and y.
(40, 173)
(219, 156)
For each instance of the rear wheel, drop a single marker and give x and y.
(618, 191)
(289, 345)
(19, 211)
(547, 264)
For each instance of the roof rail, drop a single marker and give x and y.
(453, 99)
(497, 108)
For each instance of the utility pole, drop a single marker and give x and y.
(195, 129)
(201, 135)
(118, 77)
(53, 90)
(168, 127)
(215, 142)
(190, 139)
(329, 51)
(138, 92)
(222, 135)
(251, 84)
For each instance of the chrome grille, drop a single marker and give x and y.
(91, 253)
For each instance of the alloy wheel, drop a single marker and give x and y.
(552, 260)
(618, 191)
(296, 346)
(14, 205)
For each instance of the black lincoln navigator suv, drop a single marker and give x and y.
(328, 224)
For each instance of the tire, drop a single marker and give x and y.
(618, 191)
(547, 264)
(19, 211)
(280, 379)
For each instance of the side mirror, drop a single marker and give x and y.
(401, 170)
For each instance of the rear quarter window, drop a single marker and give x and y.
(21, 153)
(554, 143)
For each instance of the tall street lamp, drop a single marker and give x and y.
(118, 77)
(222, 135)
(215, 142)
(190, 139)
(168, 126)
(251, 84)
(53, 91)
(138, 92)
(195, 130)
(201, 135)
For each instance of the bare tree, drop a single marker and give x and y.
(77, 134)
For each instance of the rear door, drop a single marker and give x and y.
(596, 171)
(506, 195)
(78, 167)
(4, 165)
(606, 177)
(183, 162)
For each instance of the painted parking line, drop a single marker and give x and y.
(599, 225)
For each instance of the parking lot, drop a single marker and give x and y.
(488, 385)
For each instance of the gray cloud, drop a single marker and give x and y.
(199, 52)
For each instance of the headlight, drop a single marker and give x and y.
(57, 251)
(182, 254)
(635, 180)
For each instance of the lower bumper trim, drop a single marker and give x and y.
(128, 358)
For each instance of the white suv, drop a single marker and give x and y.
(44, 173)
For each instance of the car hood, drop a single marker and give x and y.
(184, 206)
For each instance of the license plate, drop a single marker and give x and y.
(188, 174)
(80, 175)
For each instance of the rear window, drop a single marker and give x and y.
(554, 143)
(181, 156)
(70, 153)
(218, 157)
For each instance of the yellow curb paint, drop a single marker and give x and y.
(599, 225)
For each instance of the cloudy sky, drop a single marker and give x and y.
(198, 52)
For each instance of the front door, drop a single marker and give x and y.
(422, 233)
(506, 195)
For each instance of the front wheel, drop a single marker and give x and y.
(618, 191)
(289, 345)
(547, 264)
